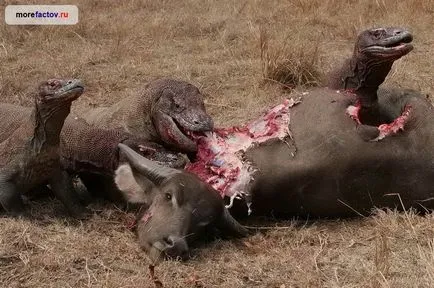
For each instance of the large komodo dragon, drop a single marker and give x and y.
(325, 170)
(164, 111)
(29, 150)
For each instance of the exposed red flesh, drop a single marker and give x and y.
(353, 112)
(218, 160)
(386, 129)
(146, 217)
(396, 126)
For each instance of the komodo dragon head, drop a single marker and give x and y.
(178, 109)
(375, 51)
(383, 44)
(59, 90)
(52, 105)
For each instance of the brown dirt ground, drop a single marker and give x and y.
(117, 46)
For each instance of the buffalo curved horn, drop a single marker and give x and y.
(152, 170)
(231, 226)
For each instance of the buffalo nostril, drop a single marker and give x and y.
(176, 248)
(169, 241)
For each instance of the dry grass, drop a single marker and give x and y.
(290, 63)
(216, 45)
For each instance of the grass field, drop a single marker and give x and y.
(238, 53)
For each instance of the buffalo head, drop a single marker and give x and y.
(177, 206)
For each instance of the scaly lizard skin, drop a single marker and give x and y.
(29, 153)
(92, 153)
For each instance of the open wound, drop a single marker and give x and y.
(386, 129)
(219, 160)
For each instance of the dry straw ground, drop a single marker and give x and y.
(237, 52)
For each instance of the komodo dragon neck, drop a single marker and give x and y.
(48, 123)
(86, 148)
(134, 114)
(362, 77)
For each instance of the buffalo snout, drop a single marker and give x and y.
(175, 247)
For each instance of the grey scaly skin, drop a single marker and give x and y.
(85, 148)
(164, 111)
(29, 154)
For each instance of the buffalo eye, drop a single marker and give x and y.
(168, 196)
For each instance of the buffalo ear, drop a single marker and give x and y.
(135, 187)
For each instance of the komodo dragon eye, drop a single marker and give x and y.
(378, 33)
(52, 84)
(179, 107)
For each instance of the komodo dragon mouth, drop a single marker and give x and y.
(219, 160)
(172, 132)
(392, 46)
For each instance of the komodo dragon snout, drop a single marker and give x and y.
(385, 43)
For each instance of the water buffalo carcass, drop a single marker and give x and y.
(331, 162)
(328, 170)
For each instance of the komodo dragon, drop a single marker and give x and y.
(164, 111)
(29, 156)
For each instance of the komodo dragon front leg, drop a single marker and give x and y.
(10, 198)
(62, 186)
